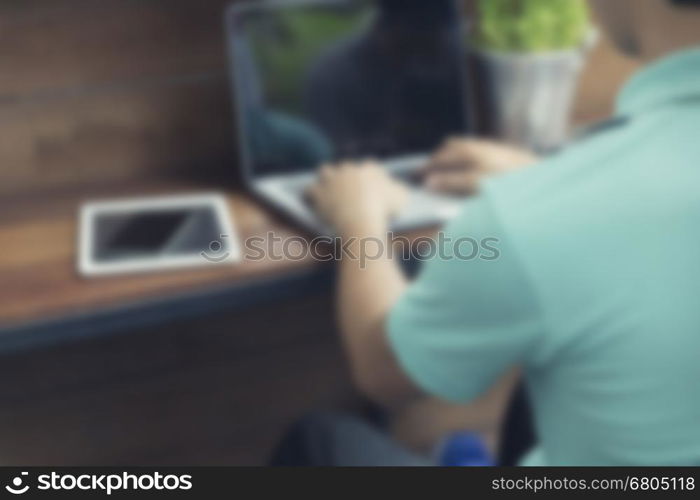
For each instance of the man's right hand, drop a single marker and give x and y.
(459, 165)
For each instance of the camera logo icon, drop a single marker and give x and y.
(16, 487)
(218, 250)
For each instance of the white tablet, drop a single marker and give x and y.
(156, 233)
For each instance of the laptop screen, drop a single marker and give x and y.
(346, 79)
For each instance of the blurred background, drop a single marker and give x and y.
(130, 98)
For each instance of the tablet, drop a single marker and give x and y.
(154, 234)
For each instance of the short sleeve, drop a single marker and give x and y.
(467, 318)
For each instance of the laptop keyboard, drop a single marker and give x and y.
(406, 170)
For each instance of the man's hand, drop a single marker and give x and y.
(459, 165)
(357, 197)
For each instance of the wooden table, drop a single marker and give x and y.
(194, 366)
(42, 289)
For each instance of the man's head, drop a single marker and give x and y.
(650, 28)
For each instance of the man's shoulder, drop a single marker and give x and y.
(611, 175)
(542, 200)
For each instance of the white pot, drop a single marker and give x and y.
(530, 95)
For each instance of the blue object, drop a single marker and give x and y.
(464, 449)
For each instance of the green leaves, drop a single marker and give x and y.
(532, 25)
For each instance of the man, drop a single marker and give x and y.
(596, 290)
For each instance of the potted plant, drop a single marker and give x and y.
(530, 54)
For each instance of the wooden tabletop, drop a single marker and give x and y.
(38, 265)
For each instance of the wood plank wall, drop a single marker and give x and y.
(104, 91)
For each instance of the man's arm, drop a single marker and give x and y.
(359, 201)
(367, 292)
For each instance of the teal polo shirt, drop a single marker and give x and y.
(595, 293)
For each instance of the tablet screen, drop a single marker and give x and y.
(154, 233)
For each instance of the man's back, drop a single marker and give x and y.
(595, 292)
(608, 235)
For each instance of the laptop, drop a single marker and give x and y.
(319, 81)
